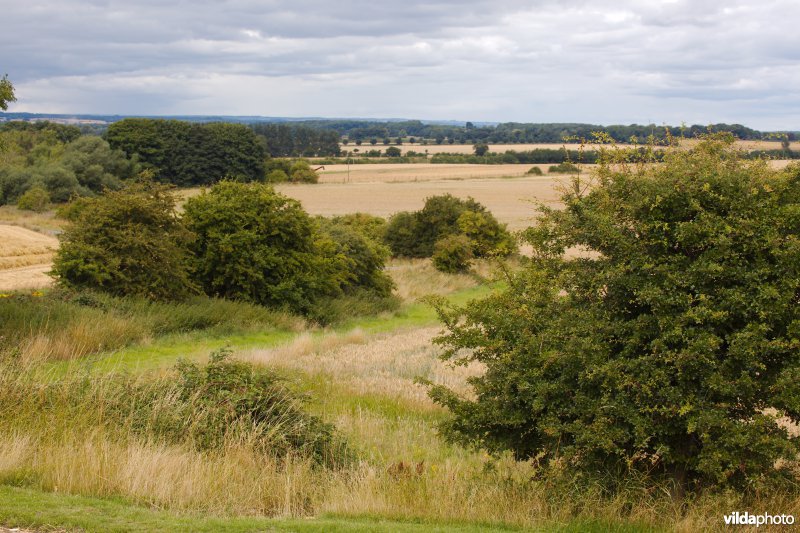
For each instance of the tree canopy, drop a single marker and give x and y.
(186, 154)
(6, 92)
(671, 344)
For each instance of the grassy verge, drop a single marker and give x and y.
(35, 509)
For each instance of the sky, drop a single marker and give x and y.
(597, 61)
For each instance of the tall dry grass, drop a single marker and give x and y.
(60, 440)
(416, 278)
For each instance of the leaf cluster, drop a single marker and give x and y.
(669, 346)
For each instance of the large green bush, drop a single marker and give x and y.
(415, 234)
(663, 351)
(256, 245)
(363, 259)
(35, 199)
(127, 242)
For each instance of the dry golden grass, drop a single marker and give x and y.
(235, 480)
(21, 247)
(384, 365)
(42, 222)
(415, 278)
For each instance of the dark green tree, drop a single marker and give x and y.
(665, 346)
(127, 242)
(256, 245)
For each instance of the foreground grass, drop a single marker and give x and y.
(35, 509)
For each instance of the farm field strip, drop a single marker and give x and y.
(414, 172)
(500, 148)
(511, 201)
(25, 256)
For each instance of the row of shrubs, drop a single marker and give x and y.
(236, 241)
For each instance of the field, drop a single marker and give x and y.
(395, 172)
(511, 200)
(500, 148)
(25, 257)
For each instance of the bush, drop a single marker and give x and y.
(363, 259)
(277, 176)
(128, 242)
(661, 354)
(534, 171)
(255, 245)
(207, 408)
(370, 226)
(414, 234)
(564, 168)
(35, 199)
(301, 172)
(401, 233)
(452, 254)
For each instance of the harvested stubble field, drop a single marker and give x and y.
(396, 172)
(25, 257)
(511, 201)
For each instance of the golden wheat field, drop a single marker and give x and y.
(511, 201)
(25, 257)
(395, 172)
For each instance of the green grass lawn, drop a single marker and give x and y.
(20, 507)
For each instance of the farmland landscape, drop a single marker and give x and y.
(311, 267)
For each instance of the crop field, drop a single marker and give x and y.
(500, 148)
(392, 172)
(511, 200)
(25, 257)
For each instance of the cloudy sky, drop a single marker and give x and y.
(598, 61)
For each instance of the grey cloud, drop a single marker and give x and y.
(505, 60)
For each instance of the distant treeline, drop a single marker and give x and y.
(518, 132)
(532, 157)
(291, 140)
(187, 154)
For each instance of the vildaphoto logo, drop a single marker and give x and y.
(747, 519)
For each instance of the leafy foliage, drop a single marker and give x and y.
(363, 257)
(452, 254)
(664, 349)
(415, 234)
(58, 159)
(256, 245)
(35, 199)
(290, 140)
(564, 168)
(6, 92)
(188, 154)
(127, 242)
(227, 399)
